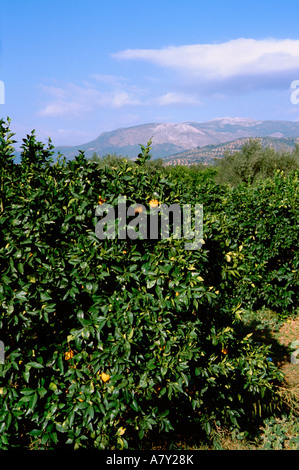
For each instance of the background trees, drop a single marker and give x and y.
(254, 163)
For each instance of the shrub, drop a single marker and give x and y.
(254, 163)
(263, 220)
(107, 340)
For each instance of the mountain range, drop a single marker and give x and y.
(189, 141)
(206, 155)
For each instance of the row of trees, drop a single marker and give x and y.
(249, 165)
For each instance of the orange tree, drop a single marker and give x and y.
(264, 223)
(259, 231)
(107, 340)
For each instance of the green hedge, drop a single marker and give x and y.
(109, 340)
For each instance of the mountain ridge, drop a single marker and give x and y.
(169, 139)
(210, 153)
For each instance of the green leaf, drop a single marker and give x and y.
(27, 391)
(20, 267)
(90, 412)
(26, 375)
(33, 401)
(35, 432)
(60, 364)
(21, 295)
(25, 399)
(150, 283)
(35, 365)
(45, 296)
(53, 386)
(134, 405)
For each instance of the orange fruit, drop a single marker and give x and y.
(101, 200)
(105, 377)
(68, 355)
(154, 203)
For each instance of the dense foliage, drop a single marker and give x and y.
(108, 340)
(254, 163)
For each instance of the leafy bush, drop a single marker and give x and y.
(264, 221)
(254, 163)
(108, 340)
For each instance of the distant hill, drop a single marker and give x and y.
(170, 139)
(206, 155)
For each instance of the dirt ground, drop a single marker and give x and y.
(288, 333)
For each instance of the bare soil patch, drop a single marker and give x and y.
(288, 333)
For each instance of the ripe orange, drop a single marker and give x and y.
(68, 355)
(101, 200)
(154, 203)
(105, 377)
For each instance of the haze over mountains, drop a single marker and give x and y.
(169, 140)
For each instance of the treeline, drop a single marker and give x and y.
(254, 162)
(249, 165)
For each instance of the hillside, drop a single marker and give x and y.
(207, 154)
(169, 139)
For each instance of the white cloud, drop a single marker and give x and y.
(68, 100)
(122, 98)
(71, 100)
(173, 98)
(60, 109)
(228, 59)
(219, 70)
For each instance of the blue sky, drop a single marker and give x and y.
(75, 69)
